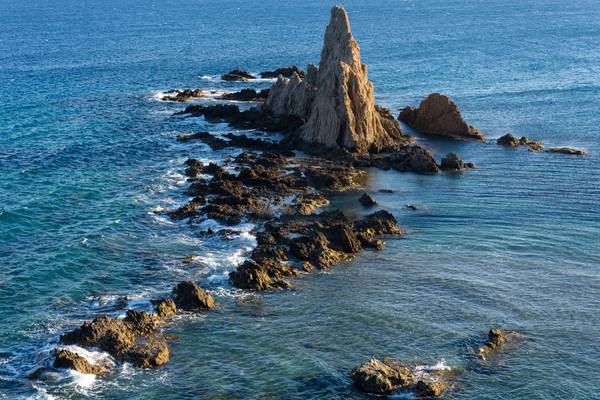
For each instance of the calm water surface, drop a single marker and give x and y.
(88, 154)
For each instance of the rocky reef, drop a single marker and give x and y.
(183, 95)
(438, 115)
(568, 150)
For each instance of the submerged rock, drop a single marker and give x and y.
(498, 339)
(336, 101)
(567, 150)
(237, 75)
(286, 72)
(191, 297)
(71, 360)
(438, 115)
(366, 200)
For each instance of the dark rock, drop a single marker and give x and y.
(237, 75)
(453, 163)
(71, 360)
(198, 188)
(183, 95)
(190, 297)
(438, 115)
(286, 72)
(414, 207)
(381, 223)
(508, 140)
(429, 389)
(367, 201)
(342, 238)
(412, 158)
(164, 307)
(247, 95)
(269, 274)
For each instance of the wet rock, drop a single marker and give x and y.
(414, 207)
(453, 163)
(509, 140)
(237, 75)
(186, 211)
(341, 237)
(366, 200)
(438, 115)
(412, 158)
(568, 150)
(286, 72)
(386, 191)
(194, 167)
(183, 95)
(306, 204)
(190, 297)
(71, 360)
(497, 338)
(377, 377)
(429, 389)
(247, 95)
(164, 307)
(388, 376)
(380, 223)
(266, 275)
(198, 188)
(134, 339)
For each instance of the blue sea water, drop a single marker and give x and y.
(88, 156)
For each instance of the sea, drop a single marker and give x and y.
(89, 163)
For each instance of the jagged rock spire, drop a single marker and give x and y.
(337, 101)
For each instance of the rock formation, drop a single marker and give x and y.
(438, 115)
(336, 101)
(286, 72)
(387, 376)
(567, 150)
(509, 140)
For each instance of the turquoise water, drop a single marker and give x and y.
(87, 154)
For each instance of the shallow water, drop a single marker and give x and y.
(87, 154)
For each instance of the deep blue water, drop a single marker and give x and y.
(87, 154)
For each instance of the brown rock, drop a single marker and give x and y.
(438, 115)
(377, 377)
(164, 307)
(428, 388)
(336, 100)
(183, 95)
(72, 360)
(453, 163)
(190, 297)
(567, 150)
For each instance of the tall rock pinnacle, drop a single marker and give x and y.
(337, 100)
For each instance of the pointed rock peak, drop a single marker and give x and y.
(339, 22)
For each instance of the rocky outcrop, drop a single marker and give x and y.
(453, 163)
(440, 116)
(286, 72)
(183, 95)
(336, 101)
(71, 360)
(191, 297)
(509, 140)
(383, 377)
(134, 339)
(237, 75)
(498, 339)
(165, 307)
(567, 150)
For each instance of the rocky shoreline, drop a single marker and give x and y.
(333, 133)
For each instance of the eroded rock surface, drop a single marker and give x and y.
(183, 95)
(336, 100)
(135, 339)
(71, 360)
(191, 297)
(247, 95)
(440, 116)
(567, 150)
(286, 72)
(453, 163)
